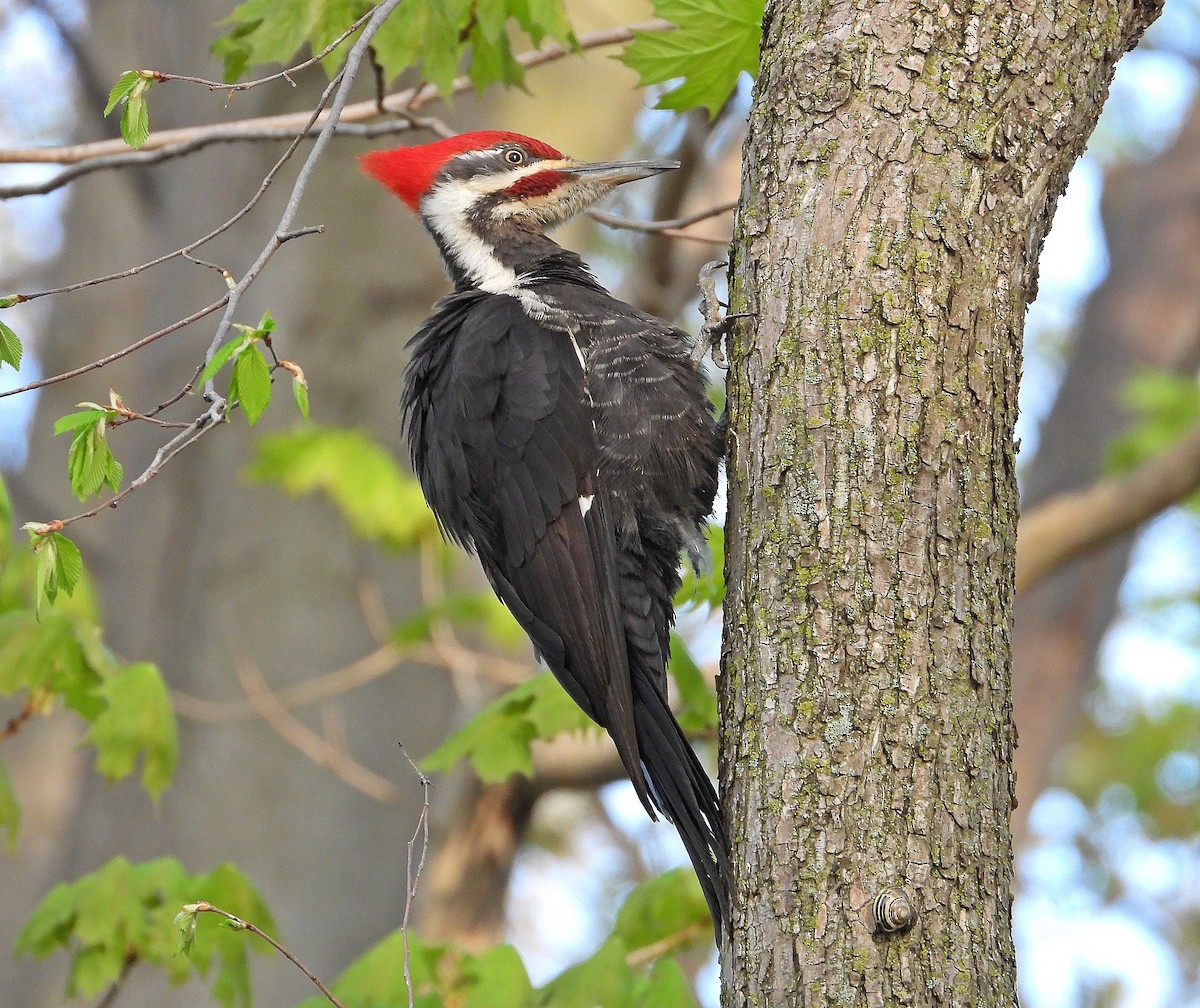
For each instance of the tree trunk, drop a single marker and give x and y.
(901, 169)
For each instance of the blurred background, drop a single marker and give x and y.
(275, 624)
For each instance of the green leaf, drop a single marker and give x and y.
(265, 31)
(480, 609)
(497, 739)
(135, 121)
(125, 86)
(715, 41)
(603, 979)
(59, 566)
(91, 465)
(10, 348)
(433, 37)
(10, 811)
(219, 359)
(125, 909)
(376, 978)
(378, 500)
(664, 908)
(495, 978)
(130, 90)
(48, 657)
(1165, 404)
(138, 721)
(73, 421)
(251, 383)
(698, 699)
(706, 587)
(300, 394)
(666, 987)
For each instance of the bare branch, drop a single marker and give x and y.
(1071, 524)
(318, 749)
(420, 835)
(244, 925)
(339, 90)
(284, 74)
(117, 355)
(164, 144)
(669, 225)
(28, 709)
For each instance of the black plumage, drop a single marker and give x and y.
(566, 438)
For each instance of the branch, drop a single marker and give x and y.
(669, 228)
(339, 88)
(164, 144)
(242, 925)
(1071, 524)
(117, 355)
(413, 878)
(318, 749)
(284, 74)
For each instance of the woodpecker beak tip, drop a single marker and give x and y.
(618, 172)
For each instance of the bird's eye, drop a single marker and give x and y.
(514, 156)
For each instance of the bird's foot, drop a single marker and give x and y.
(716, 327)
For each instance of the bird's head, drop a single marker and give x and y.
(487, 196)
(505, 176)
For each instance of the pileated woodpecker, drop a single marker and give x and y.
(566, 438)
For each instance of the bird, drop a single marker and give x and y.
(567, 440)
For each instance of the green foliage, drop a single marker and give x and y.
(90, 463)
(300, 392)
(58, 657)
(434, 36)
(1164, 404)
(130, 91)
(480, 609)
(497, 740)
(10, 348)
(10, 811)
(125, 912)
(664, 913)
(250, 383)
(697, 697)
(715, 42)
(374, 495)
(1138, 757)
(137, 720)
(59, 566)
(708, 586)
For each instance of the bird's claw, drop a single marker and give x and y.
(716, 327)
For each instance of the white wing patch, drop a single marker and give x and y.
(585, 504)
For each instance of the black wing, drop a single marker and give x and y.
(502, 440)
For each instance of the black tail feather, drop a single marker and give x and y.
(683, 792)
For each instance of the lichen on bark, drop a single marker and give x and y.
(902, 165)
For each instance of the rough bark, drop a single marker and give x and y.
(901, 169)
(1146, 314)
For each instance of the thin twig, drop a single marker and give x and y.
(339, 88)
(114, 988)
(189, 435)
(320, 750)
(284, 74)
(117, 355)
(662, 227)
(364, 670)
(421, 833)
(285, 125)
(243, 925)
(14, 725)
